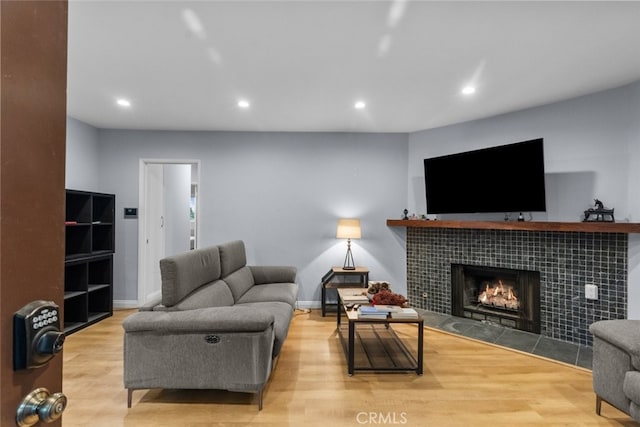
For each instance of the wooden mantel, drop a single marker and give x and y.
(587, 227)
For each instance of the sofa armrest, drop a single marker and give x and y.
(623, 334)
(273, 274)
(214, 319)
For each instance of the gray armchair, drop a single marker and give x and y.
(616, 365)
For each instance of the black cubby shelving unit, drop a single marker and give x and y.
(89, 248)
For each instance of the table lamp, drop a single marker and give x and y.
(348, 229)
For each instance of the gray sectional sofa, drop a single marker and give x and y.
(220, 324)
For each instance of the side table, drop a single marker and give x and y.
(329, 282)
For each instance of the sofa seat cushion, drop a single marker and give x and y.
(185, 272)
(215, 294)
(624, 334)
(282, 312)
(282, 292)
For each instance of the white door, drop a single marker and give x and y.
(177, 200)
(154, 237)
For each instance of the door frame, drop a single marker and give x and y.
(142, 218)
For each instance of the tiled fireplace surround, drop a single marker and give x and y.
(566, 261)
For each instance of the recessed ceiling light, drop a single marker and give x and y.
(243, 103)
(123, 102)
(468, 90)
(359, 105)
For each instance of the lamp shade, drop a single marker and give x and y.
(348, 229)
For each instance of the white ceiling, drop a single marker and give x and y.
(303, 64)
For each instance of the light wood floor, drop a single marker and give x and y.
(465, 383)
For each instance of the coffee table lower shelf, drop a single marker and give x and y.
(377, 347)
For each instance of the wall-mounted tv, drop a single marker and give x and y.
(507, 178)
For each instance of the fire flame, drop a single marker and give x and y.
(499, 296)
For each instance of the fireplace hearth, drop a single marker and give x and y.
(505, 296)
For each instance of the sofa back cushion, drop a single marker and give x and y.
(185, 272)
(232, 257)
(215, 294)
(240, 281)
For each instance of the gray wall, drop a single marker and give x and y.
(592, 149)
(281, 193)
(82, 156)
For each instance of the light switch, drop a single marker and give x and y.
(591, 291)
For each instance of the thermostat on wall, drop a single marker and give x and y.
(131, 212)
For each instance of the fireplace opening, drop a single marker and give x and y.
(505, 296)
(499, 296)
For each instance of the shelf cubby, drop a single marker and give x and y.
(102, 238)
(78, 207)
(103, 208)
(77, 240)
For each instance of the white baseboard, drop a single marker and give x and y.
(308, 304)
(125, 303)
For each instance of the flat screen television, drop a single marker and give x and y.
(507, 178)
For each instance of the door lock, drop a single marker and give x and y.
(40, 405)
(36, 334)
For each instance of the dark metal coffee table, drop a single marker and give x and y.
(372, 344)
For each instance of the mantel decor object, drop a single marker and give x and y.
(598, 213)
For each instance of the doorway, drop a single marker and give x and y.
(168, 217)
